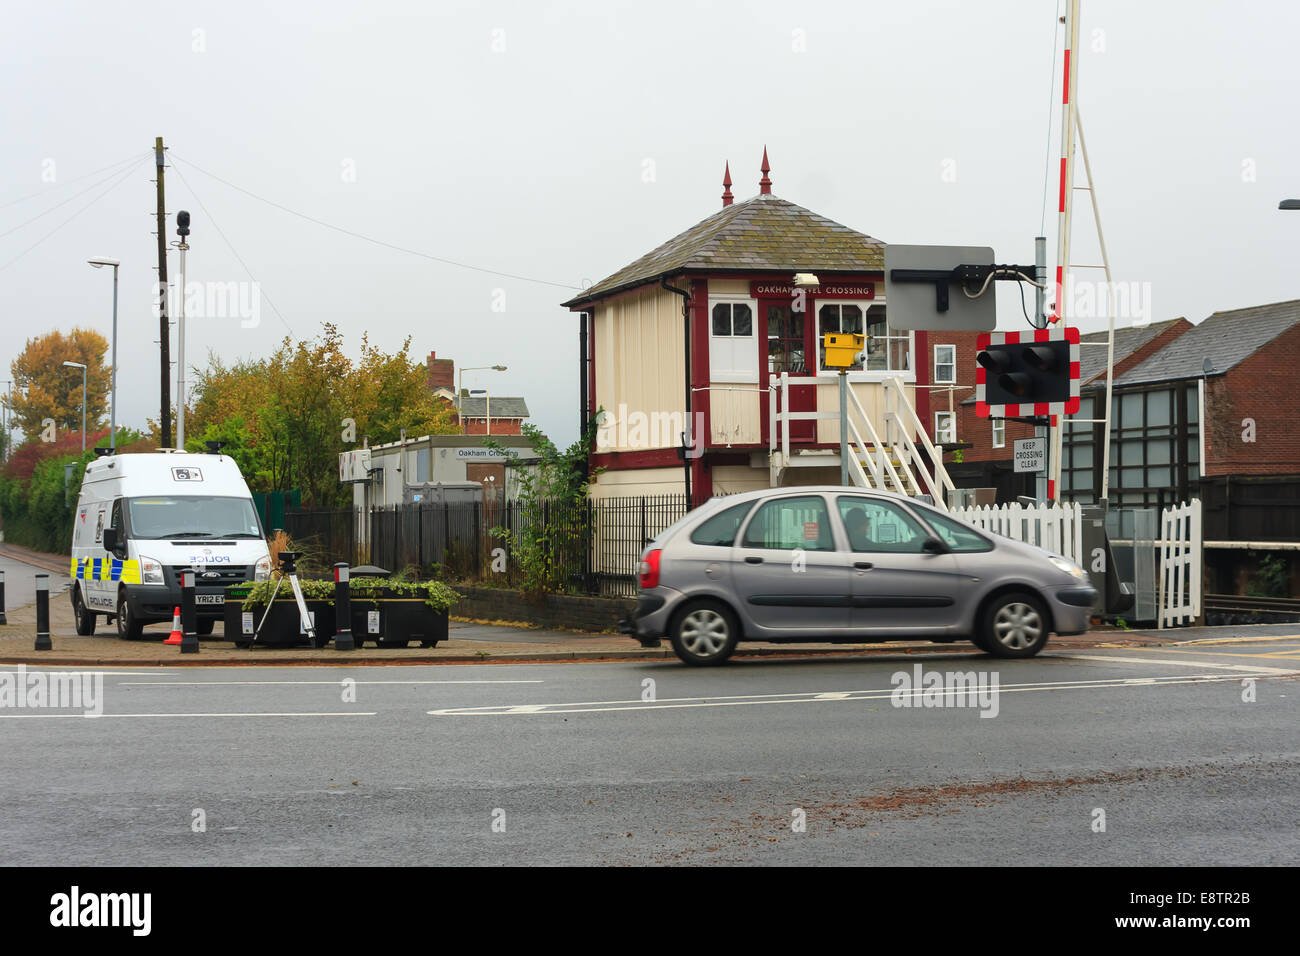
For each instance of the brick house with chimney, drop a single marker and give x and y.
(476, 415)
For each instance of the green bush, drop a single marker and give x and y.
(435, 594)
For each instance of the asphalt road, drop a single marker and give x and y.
(573, 766)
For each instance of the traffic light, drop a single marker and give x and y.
(1020, 375)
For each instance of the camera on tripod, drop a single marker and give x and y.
(288, 561)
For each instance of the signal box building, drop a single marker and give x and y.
(686, 339)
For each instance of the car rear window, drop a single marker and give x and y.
(722, 527)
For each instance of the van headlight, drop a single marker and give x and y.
(1069, 567)
(262, 570)
(151, 571)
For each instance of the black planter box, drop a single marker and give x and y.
(394, 620)
(283, 628)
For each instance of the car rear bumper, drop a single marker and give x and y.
(654, 609)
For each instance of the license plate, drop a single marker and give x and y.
(209, 599)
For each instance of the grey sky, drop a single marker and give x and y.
(916, 122)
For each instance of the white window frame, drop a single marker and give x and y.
(939, 431)
(999, 432)
(865, 375)
(952, 362)
(734, 375)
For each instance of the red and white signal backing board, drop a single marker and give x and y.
(987, 340)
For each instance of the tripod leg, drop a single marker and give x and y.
(275, 592)
(307, 624)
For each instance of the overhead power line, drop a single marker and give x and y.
(121, 178)
(371, 239)
(75, 195)
(231, 247)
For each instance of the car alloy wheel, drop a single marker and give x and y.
(704, 634)
(1016, 626)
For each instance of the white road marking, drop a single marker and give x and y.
(291, 683)
(822, 697)
(355, 713)
(83, 670)
(1214, 665)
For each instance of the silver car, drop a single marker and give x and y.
(832, 564)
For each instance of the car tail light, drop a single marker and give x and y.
(649, 570)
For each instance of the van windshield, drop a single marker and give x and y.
(192, 516)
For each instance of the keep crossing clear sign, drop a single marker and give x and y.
(1029, 455)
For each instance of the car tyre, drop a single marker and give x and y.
(203, 627)
(1014, 626)
(704, 633)
(85, 619)
(128, 627)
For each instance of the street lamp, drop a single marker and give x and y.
(83, 401)
(460, 379)
(99, 262)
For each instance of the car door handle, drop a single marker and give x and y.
(753, 560)
(863, 565)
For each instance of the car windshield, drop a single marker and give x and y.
(192, 516)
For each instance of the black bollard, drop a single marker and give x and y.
(43, 613)
(189, 629)
(2, 598)
(343, 640)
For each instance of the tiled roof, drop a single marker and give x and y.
(762, 233)
(1225, 338)
(1092, 358)
(503, 407)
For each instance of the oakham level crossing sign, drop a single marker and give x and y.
(1027, 374)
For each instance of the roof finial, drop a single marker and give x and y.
(727, 198)
(765, 184)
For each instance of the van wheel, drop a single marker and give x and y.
(85, 619)
(704, 633)
(128, 628)
(203, 626)
(1014, 625)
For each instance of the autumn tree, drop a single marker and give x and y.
(45, 389)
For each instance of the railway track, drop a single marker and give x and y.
(1242, 604)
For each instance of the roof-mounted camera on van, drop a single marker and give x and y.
(102, 452)
(214, 447)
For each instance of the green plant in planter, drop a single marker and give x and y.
(436, 594)
(312, 589)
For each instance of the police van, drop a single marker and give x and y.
(141, 519)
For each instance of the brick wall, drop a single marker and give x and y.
(1262, 388)
(500, 426)
(564, 611)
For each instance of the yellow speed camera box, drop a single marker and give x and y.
(842, 348)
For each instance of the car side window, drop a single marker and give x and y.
(790, 523)
(721, 528)
(958, 536)
(875, 525)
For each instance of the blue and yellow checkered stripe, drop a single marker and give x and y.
(106, 569)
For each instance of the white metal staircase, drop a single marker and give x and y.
(896, 462)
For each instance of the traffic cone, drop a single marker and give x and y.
(176, 635)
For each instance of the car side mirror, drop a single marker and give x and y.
(109, 539)
(933, 545)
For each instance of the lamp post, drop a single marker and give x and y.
(99, 262)
(182, 230)
(83, 401)
(460, 380)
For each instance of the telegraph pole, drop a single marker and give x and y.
(165, 410)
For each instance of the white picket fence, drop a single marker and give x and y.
(1180, 551)
(1059, 528)
(1056, 527)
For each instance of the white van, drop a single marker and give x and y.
(141, 519)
